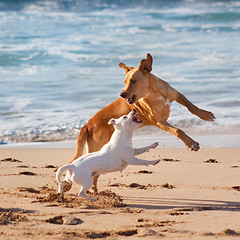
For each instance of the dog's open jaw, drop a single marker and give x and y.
(131, 100)
(135, 118)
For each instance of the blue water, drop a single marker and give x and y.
(59, 62)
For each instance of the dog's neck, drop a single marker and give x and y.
(122, 136)
(153, 80)
(156, 88)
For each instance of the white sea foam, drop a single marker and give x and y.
(18, 104)
(29, 70)
(30, 57)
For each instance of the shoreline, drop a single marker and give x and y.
(165, 141)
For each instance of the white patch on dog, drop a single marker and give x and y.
(167, 102)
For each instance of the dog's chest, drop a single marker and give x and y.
(154, 108)
(157, 99)
(118, 165)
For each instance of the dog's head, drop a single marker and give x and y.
(127, 122)
(136, 80)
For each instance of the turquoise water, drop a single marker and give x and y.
(59, 62)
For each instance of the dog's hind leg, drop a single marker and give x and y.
(86, 183)
(95, 180)
(82, 193)
(138, 151)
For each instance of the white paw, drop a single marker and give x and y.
(66, 186)
(154, 145)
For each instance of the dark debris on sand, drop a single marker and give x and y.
(28, 189)
(168, 186)
(170, 160)
(50, 166)
(12, 215)
(133, 185)
(27, 173)
(10, 160)
(66, 220)
(211, 160)
(236, 188)
(145, 172)
(230, 232)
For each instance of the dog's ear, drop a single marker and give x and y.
(111, 121)
(146, 64)
(126, 68)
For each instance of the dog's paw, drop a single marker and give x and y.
(66, 186)
(210, 117)
(154, 145)
(207, 116)
(194, 147)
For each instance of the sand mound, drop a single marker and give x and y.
(104, 199)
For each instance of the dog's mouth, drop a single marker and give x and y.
(135, 119)
(131, 100)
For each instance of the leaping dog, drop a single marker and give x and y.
(116, 155)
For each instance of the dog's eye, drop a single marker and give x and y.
(124, 117)
(133, 81)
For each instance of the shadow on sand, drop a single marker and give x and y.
(181, 204)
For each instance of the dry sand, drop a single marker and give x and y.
(187, 195)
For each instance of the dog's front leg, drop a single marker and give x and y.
(137, 161)
(189, 142)
(203, 114)
(138, 151)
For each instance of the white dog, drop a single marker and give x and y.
(116, 155)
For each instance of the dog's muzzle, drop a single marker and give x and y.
(130, 100)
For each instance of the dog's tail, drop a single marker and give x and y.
(61, 170)
(59, 173)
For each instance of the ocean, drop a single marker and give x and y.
(59, 63)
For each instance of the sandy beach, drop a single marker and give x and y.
(187, 195)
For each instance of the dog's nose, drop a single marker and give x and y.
(123, 94)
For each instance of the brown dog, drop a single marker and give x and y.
(151, 97)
